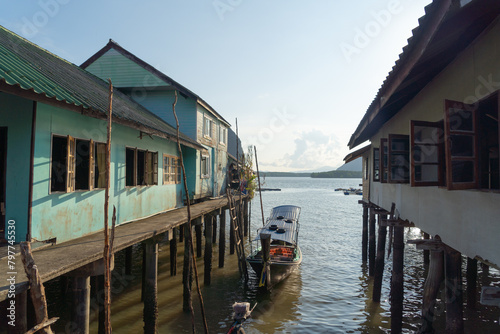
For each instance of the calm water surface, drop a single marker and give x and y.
(330, 293)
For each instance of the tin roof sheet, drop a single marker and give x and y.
(285, 217)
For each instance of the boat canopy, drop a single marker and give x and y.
(282, 224)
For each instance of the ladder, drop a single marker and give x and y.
(238, 237)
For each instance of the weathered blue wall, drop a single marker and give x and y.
(71, 215)
(16, 115)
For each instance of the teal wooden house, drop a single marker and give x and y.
(52, 139)
(197, 119)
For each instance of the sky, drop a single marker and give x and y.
(297, 75)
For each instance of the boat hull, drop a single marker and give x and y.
(279, 269)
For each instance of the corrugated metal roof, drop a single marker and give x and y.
(286, 219)
(31, 68)
(445, 30)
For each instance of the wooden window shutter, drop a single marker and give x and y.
(427, 157)
(70, 164)
(155, 168)
(91, 165)
(399, 158)
(384, 153)
(460, 145)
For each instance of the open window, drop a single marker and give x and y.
(461, 145)
(99, 165)
(399, 159)
(488, 138)
(376, 164)
(141, 167)
(427, 158)
(384, 160)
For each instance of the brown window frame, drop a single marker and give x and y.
(384, 160)
(401, 153)
(435, 143)
(450, 133)
(376, 167)
(146, 168)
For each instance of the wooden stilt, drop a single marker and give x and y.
(454, 295)
(143, 273)
(222, 238)
(198, 230)
(173, 253)
(150, 314)
(100, 303)
(214, 229)
(397, 288)
(372, 244)
(181, 234)
(21, 322)
(128, 260)
(231, 239)
(81, 304)
(379, 262)
(471, 283)
(426, 251)
(435, 277)
(364, 246)
(186, 273)
(486, 269)
(208, 249)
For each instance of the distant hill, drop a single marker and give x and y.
(338, 174)
(284, 174)
(355, 165)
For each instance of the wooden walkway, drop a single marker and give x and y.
(56, 260)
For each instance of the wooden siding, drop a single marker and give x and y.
(123, 72)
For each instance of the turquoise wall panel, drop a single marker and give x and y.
(71, 215)
(16, 115)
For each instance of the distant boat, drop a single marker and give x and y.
(285, 254)
(350, 191)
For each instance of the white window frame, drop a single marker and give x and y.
(205, 159)
(207, 127)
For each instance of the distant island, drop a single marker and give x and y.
(331, 174)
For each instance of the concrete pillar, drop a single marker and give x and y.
(150, 314)
(208, 249)
(80, 316)
(222, 238)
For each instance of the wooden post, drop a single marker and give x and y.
(379, 262)
(143, 273)
(150, 314)
(128, 260)
(426, 251)
(231, 238)
(471, 283)
(372, 244)
(100, 302)
(181, 234)
(21, 323)
(198, 230)
(173, 253)
(265, 240)
(208, 249)
(37, 290)
(454, 296)
(397, 288)
(245, 217)
(214, 229)
(222, 238)
(186, 272)
(80, 315)
(435, 277)
(364, 245)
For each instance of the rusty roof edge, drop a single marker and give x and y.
(422, 35)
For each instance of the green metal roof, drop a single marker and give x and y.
(31, 68)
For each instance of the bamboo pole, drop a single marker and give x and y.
(107, 246)
(189, 223)
(260, 191)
